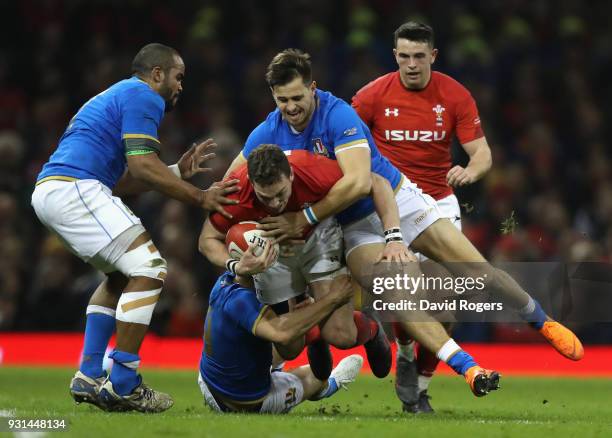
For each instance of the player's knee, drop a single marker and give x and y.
(146, 265)
(339, 335)
(143, 261)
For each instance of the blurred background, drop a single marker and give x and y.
(539, 71)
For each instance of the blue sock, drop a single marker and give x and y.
(98, 331)
(537, 317)
(332, 388)
(461, 362)
(123, 375)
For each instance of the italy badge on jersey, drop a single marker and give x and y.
(319, 148)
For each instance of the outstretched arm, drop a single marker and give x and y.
(285, 329)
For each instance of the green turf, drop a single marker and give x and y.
(522, 407)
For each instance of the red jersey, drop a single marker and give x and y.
(313, 176)
(414, 128)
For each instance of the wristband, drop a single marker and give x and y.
(230, 265)
(393, 230)
(393, 235)
(175, 170)
(310, 216)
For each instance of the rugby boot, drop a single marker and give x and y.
(562, 339)
(85, 389)
(482, 381)
(142, 399)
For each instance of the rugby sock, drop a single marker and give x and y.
(423, 383)
(99, 328)
(406, 350)
(426, 365)
(313, 335)
(330, 389)
(400, 334)
(461, 362)
(533, 314)
(367, 328)
(123, 375)
(455, 357)
(405, 344)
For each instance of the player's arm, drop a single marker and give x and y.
(480, 162)
(285, 329)
(190, 164)
(211, 245)
(386, 208)
(354, 184)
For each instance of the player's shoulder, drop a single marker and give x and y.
(449, 85)
(333, 108)
(374, 87)
(134, 88)
(299, 157)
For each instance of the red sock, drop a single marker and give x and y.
(313, 335)
(367, 328)
(400, 334)
(426, 362)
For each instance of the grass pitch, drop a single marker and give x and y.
(522, 407)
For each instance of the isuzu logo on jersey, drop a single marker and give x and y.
(389, 111)
(438, 109)
(319, 148)
(400, 135)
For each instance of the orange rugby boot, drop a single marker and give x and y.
(562, 339)
(482, 381)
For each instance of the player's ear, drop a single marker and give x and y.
(313, 86)
(434, 53)
(291, 175)
(157, 75)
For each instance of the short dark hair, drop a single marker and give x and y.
(151, 56)
(288, 65)
(266, 164)
(414, 31)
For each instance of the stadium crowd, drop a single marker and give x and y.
(538, 71)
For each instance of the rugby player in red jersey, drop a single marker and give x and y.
(414, 113)
(315, 263)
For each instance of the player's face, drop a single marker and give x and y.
(414, 59)
(275, 196)
(172, 85)
(296, 102)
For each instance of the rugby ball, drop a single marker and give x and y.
(241, 236)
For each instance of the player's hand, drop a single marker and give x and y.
(342, 290)
(250, 264)
(214, 198)
(397, 252)
(192, 161)
(459, 176)
(283, 227)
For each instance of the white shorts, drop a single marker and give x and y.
(286, 392)
(86, 216)
(320, 258)
(417, 211)
(449, 207)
